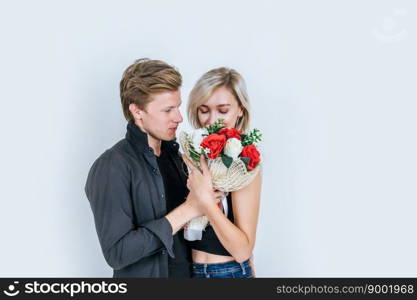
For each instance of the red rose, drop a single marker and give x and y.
(215, 142)
(230, 133)
(253, 154)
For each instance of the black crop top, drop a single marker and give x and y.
(209, 241)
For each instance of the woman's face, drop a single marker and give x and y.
(220, 105)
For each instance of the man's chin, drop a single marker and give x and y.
(172, 137)
(172, 133)
(169, 136)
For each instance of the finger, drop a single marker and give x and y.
(218, 202)
(219, 191)
(188, 163)
(219, 194)
(193, 169)
(204, 165)
(220, 205)
(191, 165)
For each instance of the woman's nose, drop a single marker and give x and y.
(213, 118)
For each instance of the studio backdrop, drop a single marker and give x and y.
(332, 86)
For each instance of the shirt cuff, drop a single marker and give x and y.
(163, 230)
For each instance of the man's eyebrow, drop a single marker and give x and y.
(173, 106)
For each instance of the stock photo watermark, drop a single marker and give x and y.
(71, 289)
(391, 29)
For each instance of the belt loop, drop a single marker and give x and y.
(243, 268)
(205, 271)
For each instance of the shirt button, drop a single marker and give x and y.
(163, 195)
(164, 252)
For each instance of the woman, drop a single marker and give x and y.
(227, 243)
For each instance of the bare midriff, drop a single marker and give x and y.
(202, 257)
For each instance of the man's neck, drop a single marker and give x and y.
(154, 143)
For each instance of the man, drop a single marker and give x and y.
(137, 189)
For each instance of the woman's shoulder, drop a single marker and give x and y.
(251, 191)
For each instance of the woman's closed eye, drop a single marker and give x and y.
(220, 111)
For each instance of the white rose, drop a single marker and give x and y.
(198, 137)
(233, 148)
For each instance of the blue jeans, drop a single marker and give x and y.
(231, 269)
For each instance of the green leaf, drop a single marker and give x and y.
(215, 127)
(194, 155)
(246, 160)
(227, 160)
(253, 137)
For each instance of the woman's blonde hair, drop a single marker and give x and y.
(213, 79)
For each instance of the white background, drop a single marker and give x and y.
(332, 85)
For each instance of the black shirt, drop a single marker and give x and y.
(210, 242)
(176, 193)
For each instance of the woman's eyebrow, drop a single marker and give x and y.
(220, 105)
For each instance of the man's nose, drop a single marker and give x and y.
(178, 117)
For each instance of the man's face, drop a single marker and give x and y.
(161, 116)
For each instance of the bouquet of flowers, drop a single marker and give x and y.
(232, 157)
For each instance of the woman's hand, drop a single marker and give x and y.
(200, 184)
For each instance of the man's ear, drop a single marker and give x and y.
(135, 111)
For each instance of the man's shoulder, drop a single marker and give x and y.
(120, 154)
(122, 148)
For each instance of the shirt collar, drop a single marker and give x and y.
(140, 139)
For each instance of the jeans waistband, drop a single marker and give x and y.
(218, 267)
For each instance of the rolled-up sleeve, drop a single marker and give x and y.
(108, 191)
